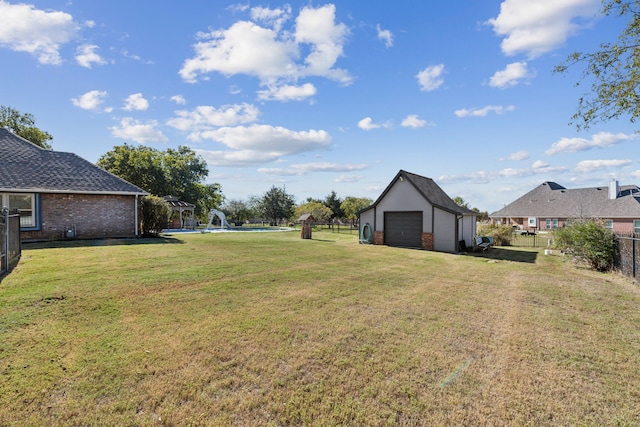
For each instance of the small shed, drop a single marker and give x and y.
(307, 221)
(414, 212)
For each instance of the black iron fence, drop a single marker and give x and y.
(627, 259)
(532, 240)
(10, 246)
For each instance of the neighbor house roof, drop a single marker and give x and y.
(26, 167)
(551, 200)
(429, 190)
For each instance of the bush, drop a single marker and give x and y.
(155, 212)
(588, 240)
(501, 234)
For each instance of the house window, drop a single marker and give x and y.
(608, 223)
(636, 225)
(26, 206)
(548, 223)
(532, 222)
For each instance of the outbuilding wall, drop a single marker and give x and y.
(403, 196)
(84, 216)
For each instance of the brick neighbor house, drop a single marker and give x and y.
(550, 205)
(62, 196)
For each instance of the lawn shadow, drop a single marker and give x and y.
(101, 242)
(507, 254)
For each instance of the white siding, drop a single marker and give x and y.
(403, 197)
(467, 230)
(444, 234)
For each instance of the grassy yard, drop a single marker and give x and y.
(263, 329)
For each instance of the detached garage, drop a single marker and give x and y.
(414, 212)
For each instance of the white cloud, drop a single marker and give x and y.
(385, 35)
(307, 168)
(483, 177)
(510, 76)
(431, 77)
(367, 124)
(518, 155)
(599, 140)
(274, 18)
(412, 121)
(204, 118)
(86, 55)
(586, 166)
(538, 27)
(271, 54)
(257, 144)
(287, 92)
(179, 99)
(539, 164)
(23, 28)
(348, 178)
(483, 112)
(90, 100)
(134, 130)
(135, 102)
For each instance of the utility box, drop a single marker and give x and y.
(306, 222)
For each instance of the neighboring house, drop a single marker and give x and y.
(550, 206)
(414, 212)
(60, 195)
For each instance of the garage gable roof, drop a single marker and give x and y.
(24, 166)
(427, 189)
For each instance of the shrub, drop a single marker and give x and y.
(155, 212)
(501, 234)
(588, 240)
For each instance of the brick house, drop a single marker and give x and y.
(414, 212)
(550, 205)
(62, 196)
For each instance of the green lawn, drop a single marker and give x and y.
(268, 329)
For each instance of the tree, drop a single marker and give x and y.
(276, 204)
(24, 125)
(350, 205)
(614, 70)
(178, 173)
(460, 202)
(236, 209)
(318, 210)
(154, 215)
(333, 202)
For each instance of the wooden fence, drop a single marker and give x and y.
(10, 245)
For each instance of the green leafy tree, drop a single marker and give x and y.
(154, 215)
(236, 209)
(350, 205)
(178, 173)
(333, 202)
(613, 71)
(24, 125)
(318, 210)
(588, 240)
(460, 202)
(276, 205)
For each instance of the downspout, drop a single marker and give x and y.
(135, 218)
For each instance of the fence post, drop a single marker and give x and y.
(4, 252)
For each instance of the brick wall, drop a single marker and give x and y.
(90, 216)
(378, 237)
(427, 241)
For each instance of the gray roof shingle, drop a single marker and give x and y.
(551, 200)
(25, 166)
(430, 191)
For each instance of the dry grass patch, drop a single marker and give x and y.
(269, 329)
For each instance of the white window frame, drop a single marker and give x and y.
(636, 225)
(608, 223)
(26, 221)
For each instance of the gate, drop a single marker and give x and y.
(10, 246)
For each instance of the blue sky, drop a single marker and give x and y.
(320, 97)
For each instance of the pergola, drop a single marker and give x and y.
(180, 206)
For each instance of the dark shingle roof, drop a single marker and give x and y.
(25, 166)
(430, 191)
(550, 200)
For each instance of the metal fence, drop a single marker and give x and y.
(10, 246)
(538, 240)
(627, 259)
